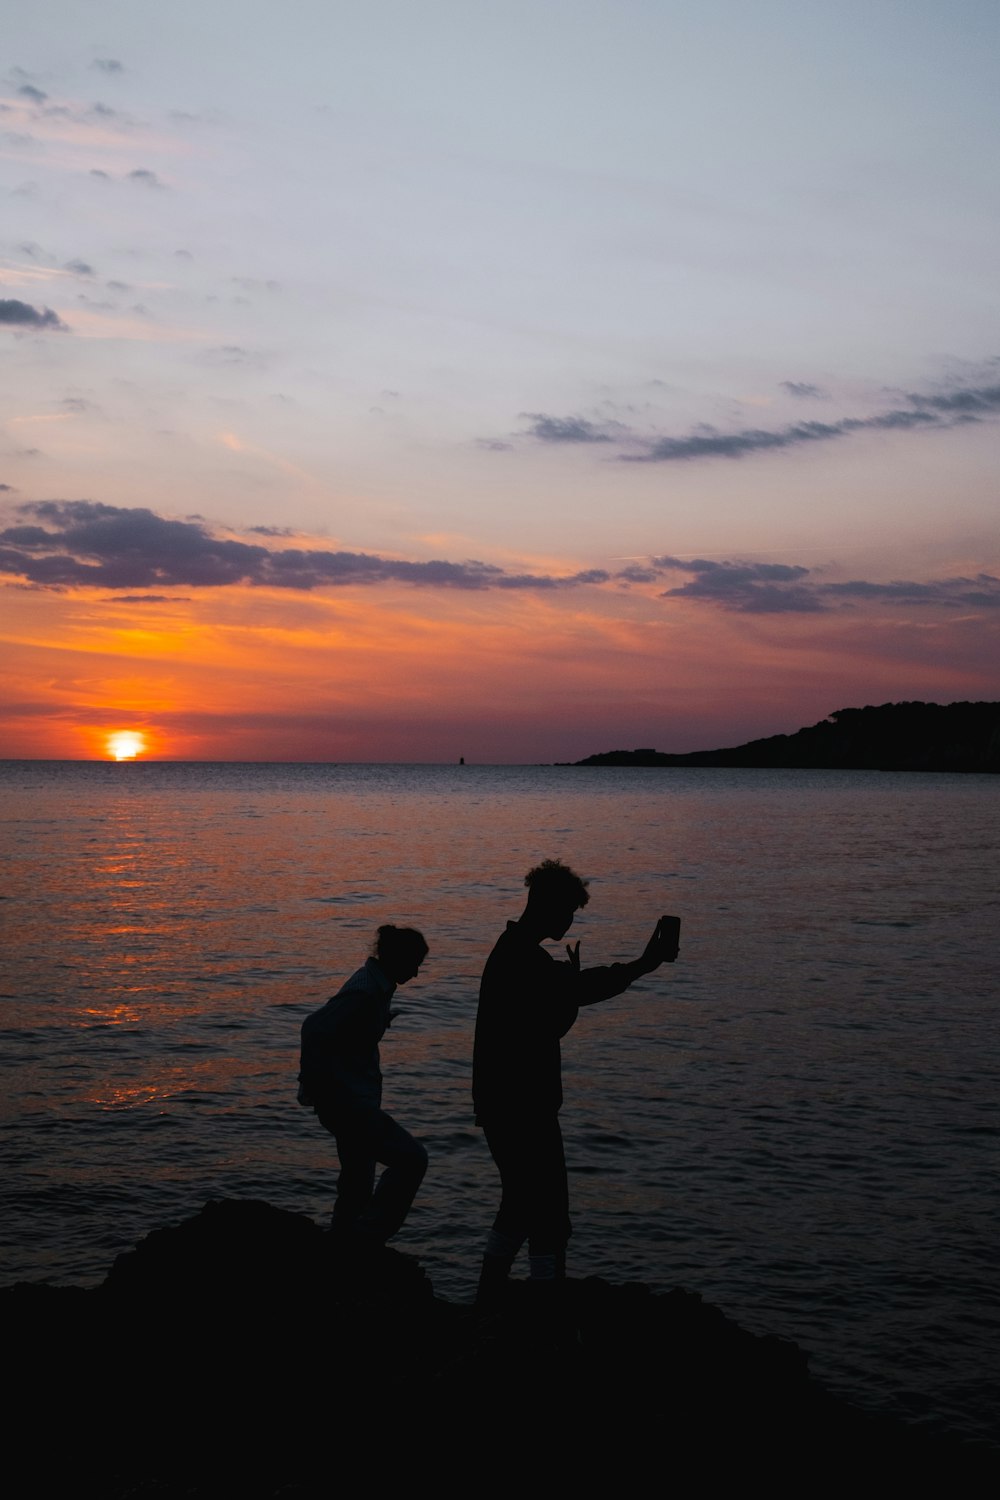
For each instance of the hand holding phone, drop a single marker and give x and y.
(670, 937)
(662, 946)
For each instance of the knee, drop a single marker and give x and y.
(408, 1156)
(412, 1160)
(405, 1154)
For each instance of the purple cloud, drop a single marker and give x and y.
(948, 409)
(782, 588)
(14, 314)
(82, 543)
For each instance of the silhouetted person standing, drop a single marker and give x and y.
(527, 1001)
(341, 1078)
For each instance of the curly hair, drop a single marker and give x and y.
(554, 881)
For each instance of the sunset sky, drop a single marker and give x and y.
(424, 378)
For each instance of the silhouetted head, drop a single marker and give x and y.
(555, 893)
(399, 952)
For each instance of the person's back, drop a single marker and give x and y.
(340, 1056)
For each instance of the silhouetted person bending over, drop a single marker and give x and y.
(527, 1001)
(341, 1078)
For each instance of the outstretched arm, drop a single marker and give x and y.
(601, 984)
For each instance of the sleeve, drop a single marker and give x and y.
(567, 988)
(359, 1023)
(601, 983)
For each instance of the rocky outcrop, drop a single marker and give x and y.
(892, 737)
(238, 1354)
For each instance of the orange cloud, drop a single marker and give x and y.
(270, 661)
(396, 673)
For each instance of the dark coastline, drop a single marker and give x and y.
(233, 1354)
(962, 737)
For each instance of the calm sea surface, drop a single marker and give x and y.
(799, 1120)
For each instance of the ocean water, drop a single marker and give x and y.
(799, 1119)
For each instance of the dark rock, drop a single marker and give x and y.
(244, 1353)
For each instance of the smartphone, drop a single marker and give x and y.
(670, 931)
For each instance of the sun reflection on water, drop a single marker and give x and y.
(113, 1015)
(128, 1096)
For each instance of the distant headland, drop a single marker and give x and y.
(891, 737)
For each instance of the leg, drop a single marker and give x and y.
(357, 1169)
(365, 1138)
(405, 1161)
(534, 1204)
(510, 1148)
(550, 1223)
(510, 1227)
(355, 1183)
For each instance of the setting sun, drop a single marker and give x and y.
(125, 745)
